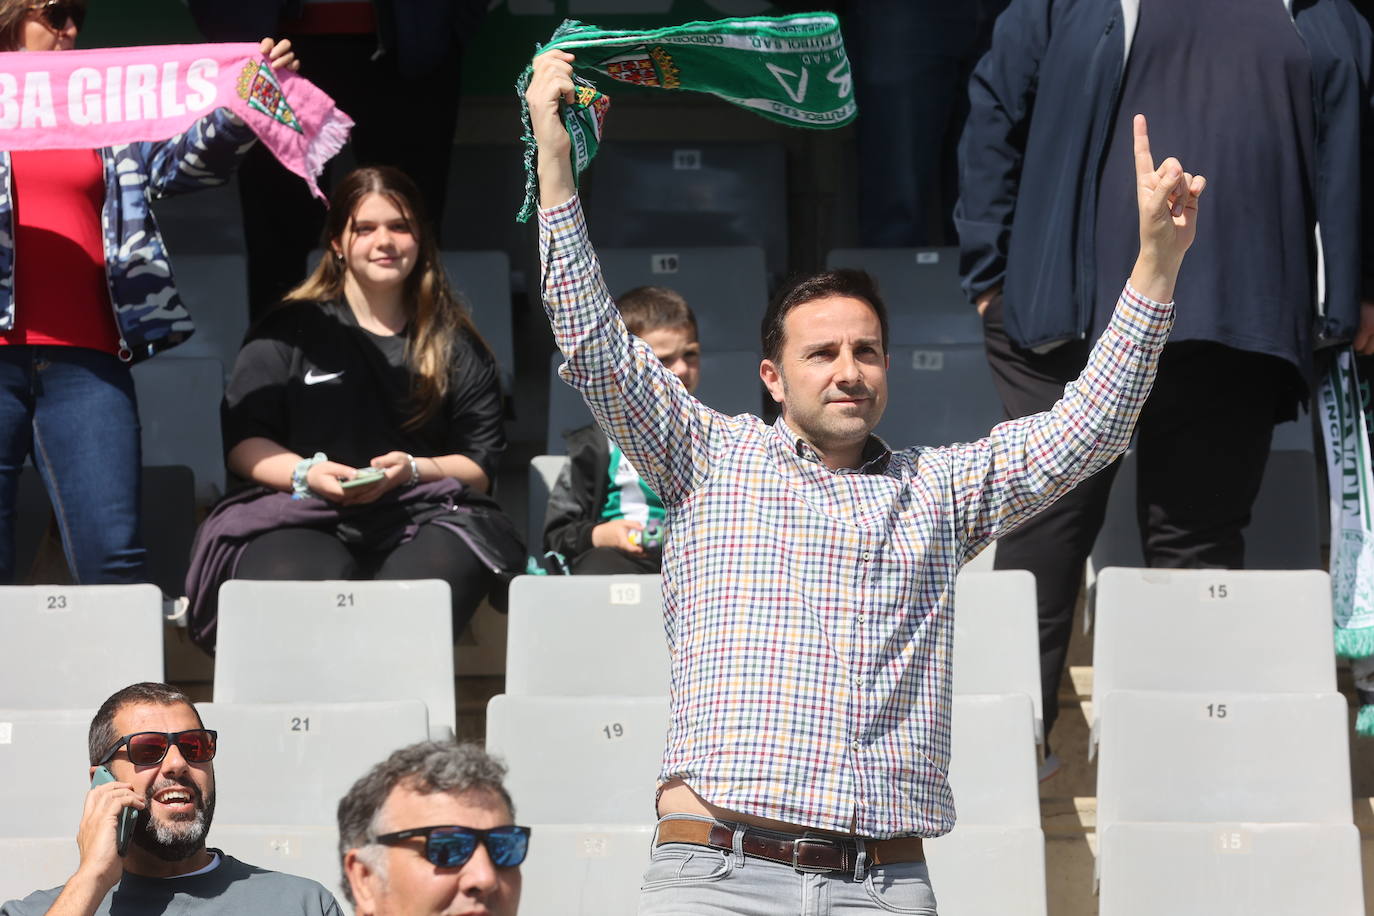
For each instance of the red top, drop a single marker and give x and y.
(333, 17)
(61, 296)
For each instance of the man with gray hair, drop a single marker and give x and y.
(154, 755)
(431, 829)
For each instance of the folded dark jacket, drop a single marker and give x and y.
(389, 522)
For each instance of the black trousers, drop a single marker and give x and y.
(607, 561)
(403, 122)
(1202, 442)
(312, 554)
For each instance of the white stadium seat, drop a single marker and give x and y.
(992, 765)
(310, 852)
(605, 752)
(586, 636)
(1231, 869)
(290, 763)
(992, 773)
(544, 471)
(1220, 758)
(726, 288)
(997, 636)
(729, 383)
(939, 394)
(1223, 756)
(1189, 630)
(71, 646)
(483, 279)
(989, 871)
(925, 301)
(336, 641)
(44, 771)
(584, 869)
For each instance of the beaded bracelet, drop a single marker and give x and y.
(414, 470)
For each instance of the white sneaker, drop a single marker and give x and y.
(1051, 766)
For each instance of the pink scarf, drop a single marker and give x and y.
(105, 97)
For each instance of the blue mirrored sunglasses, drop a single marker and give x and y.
(450, 846)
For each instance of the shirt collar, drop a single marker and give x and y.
(875, 458)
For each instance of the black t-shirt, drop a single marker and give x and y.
(1227, 87)
(310, 379)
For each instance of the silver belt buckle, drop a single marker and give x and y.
(816, 840)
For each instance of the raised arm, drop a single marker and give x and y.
(666, 433)
(1025, 464)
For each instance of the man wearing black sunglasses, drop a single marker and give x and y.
(431, 830)
(152, 741)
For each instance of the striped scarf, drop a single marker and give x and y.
(1347, 422)
(792, 69)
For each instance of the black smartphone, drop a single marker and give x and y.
(124, 830)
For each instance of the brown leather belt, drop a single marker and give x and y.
(810, 853)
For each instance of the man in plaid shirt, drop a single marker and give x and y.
(808, 580)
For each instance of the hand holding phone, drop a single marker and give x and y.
(124, 828)
(366, 477)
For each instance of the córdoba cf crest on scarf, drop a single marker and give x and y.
(791, 69)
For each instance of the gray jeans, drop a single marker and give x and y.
(688, 880)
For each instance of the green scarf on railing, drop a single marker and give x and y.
(1347, 422)
(792, 69)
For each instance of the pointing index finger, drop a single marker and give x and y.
(1144, 161)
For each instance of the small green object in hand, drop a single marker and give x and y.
(365, 477)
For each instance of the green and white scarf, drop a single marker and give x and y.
(1347, 421)
(791, 69)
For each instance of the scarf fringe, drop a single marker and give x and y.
(1355, 643)
(531, 146)
(328, 142)
(1364, 722)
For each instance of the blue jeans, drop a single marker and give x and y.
(74, 410)
(687, 880)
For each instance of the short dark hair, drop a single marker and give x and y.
(648, 308)
(102, 733)
(426, 767)
(854, 284)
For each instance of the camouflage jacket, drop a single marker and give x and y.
(148, 312)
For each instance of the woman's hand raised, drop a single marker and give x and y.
(280, 54)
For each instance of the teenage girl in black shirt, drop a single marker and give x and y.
(370, 363)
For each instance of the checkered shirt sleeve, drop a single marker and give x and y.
(1023, 465)
(668, 435)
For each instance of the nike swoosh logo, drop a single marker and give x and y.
(312, 379)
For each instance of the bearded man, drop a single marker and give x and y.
(153, 742)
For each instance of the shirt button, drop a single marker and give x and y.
(858, 680)
(854, 745)
(866, 556)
